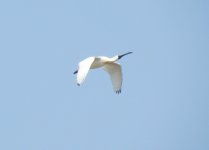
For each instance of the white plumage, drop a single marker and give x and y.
(108, 64)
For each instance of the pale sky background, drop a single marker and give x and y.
(164, 104)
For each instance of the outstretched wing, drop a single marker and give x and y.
(83, 69)
(115, 72)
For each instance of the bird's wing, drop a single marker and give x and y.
(83, 69)
(115, 72)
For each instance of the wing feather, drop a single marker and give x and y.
(83, 69)
(115, 72)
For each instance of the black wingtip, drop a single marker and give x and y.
(118, 92)
(75, 72)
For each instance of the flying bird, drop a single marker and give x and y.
(108, 64)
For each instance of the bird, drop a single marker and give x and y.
(110, 65)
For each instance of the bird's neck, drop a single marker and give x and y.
(115, 58)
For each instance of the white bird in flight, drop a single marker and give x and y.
(108, 64)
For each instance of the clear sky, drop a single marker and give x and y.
(164, 104)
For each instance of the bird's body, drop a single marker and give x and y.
(100, 61)
(108, 64)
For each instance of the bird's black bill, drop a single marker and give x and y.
(75, 72)
(120, 56)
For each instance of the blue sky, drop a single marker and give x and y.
(164, 101)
